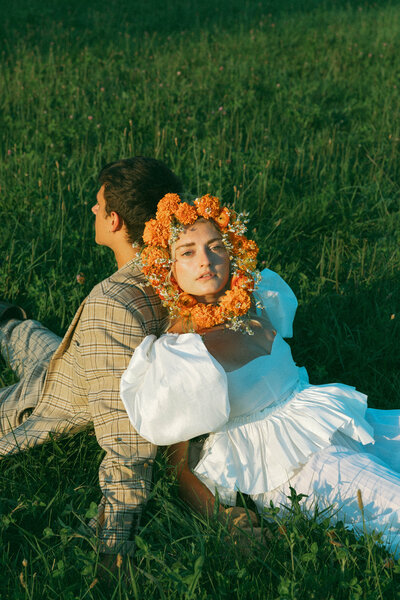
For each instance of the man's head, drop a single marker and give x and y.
(131, 189)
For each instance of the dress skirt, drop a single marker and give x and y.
(333, 476)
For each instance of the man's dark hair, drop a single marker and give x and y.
(133, 188)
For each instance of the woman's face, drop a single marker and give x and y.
(201, 266)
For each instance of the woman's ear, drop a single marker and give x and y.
(173, 270)
(174, 281)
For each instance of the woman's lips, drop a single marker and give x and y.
(206, 276)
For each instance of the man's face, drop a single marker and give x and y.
(101, 223)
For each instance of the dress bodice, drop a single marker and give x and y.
(262, 382)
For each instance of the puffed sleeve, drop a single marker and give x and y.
(174, 390)
(278, 300)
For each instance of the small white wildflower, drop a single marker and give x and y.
(175, 232)
(240, 324)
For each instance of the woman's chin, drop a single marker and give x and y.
(208, 297)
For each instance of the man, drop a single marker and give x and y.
(64, 386)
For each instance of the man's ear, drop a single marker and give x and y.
(116, 222)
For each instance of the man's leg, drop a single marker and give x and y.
(11, 311)
(27, 347)
(24, 344)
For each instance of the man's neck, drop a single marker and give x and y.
(124, 254)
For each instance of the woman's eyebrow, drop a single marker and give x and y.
(184, 245)
(216, 239)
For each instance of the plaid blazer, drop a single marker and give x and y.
(82, 385)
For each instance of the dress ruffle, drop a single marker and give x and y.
(258, 453)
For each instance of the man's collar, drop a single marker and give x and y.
(131, 264)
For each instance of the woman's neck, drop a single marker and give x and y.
(211, 298)
(233, 349)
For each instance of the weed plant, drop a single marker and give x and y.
(287, 110)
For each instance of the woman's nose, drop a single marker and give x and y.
(95, 208)
(204, 257)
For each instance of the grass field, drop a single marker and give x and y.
(286, 109)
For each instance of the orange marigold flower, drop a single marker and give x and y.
(186, 214)
(151, 254)
(245, 263)
(242, 280)
(207, 315)
(208, 206)
(156, 234)
(164, 218)
(223, 218)
(186, 300)
(250, 247)
(236, 301)
(159, 290)
(242, 246)
(162, 294)
(168, 204)
(238, 241)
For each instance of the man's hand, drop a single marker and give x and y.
(110, 564)
(112, 569)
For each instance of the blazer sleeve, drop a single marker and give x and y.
(109, 333)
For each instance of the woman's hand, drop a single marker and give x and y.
(240, 517)
(242, 523)
(243, 527)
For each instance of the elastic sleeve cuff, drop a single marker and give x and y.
(111, 541)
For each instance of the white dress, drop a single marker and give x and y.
(270, 429)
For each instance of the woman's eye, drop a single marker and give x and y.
(218, 247)
(187, 253)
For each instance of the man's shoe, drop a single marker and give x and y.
(11, 311)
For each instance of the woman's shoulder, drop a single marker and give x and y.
(173, 389)
(169, 351)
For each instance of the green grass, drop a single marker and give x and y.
(285, 109)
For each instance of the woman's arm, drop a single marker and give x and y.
(191, 489)
(199, 497)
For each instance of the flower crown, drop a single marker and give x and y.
(172, 216)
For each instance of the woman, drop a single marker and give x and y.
(224, 368)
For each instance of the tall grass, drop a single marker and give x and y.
(287, 110)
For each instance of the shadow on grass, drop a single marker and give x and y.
(351, 337)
